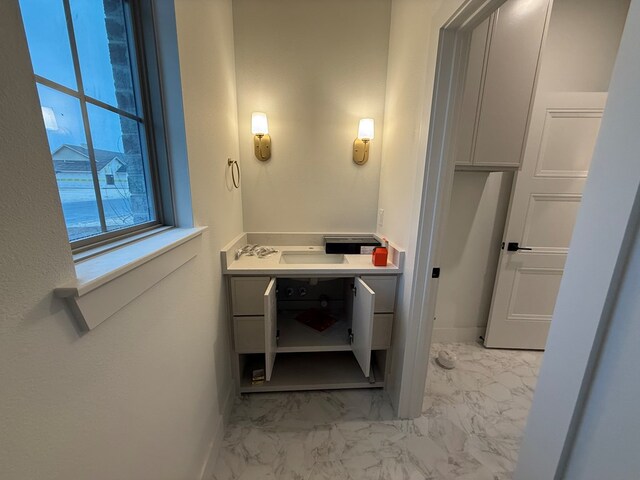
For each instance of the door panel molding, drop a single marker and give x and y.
(548, 131)
(531, 212)
(518, 274)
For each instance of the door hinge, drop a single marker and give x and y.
(435, 273)
(277, 336)
(355, 291)
(350, 332)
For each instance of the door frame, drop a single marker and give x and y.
(437, 184)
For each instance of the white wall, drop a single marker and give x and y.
(471, 247)
(315, 68)
(596, 302)
(581, 44)
(140, 396)
(609, 434)
(210, 109)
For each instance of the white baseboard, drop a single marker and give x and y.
(457, 334)
(216, 442)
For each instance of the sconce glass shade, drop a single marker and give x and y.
(361, 144)
(259, 124)
(365, 129)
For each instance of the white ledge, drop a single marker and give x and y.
(107, 282)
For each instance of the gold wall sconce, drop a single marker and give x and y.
(261, 138)
(361, 144)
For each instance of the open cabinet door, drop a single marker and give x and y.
(270, 328)
(362, 325)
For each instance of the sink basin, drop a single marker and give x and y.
(312, 258)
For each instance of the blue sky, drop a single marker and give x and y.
(48, 40)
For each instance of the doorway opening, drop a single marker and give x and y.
(521, 86)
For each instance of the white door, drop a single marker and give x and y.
(270, 328)
(362, 324)
(544, 204)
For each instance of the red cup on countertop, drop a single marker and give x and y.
(379, 256)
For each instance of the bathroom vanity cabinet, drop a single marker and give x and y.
(305, 319)
(343, 345)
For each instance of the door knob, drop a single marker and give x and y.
(514, 247)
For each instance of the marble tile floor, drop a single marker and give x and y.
(472, 422)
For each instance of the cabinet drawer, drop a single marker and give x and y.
(382, 326)
(247, 295)
(385, 289)
(248, 333)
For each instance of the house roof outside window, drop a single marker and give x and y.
(75, 158)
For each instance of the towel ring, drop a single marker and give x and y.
(232, 164)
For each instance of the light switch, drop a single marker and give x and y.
(380, 217)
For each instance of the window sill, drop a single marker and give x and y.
(106, 283)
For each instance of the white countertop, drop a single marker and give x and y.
(352, 265)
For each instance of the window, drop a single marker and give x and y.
(89, 71)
